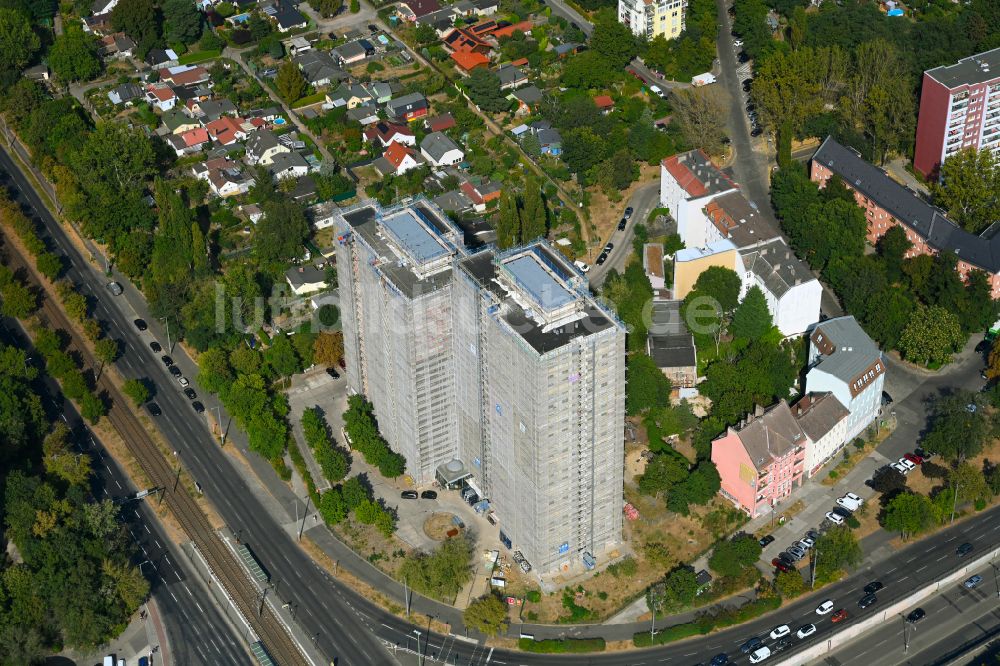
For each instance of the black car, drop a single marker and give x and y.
(742, 57)
(198, 407)
(984, 346)
(155, 346)
(867, 600)
(926, 455)
(764, 540)
(372, 27)
(964, 549)
(428, 494)
(602, 258)
(333, 372)
(609, 247)
(153, 408)
(886, 399)
(751, 645)
(628, 212)
(873, 587)
(409, 494)
(756, 131)
(621, 224)
(175, 371)
(720, 660)
(916, 615)
(167, 361)
(841, 511)
(189, 392)
(140, 324)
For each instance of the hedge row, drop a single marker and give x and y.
(562, 645)
(707, 622)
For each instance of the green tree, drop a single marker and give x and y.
(140, 20)
(969, 188)
(487, 615)
(508, 221)
(932, 335)
(18, 43)
(836, 550)
(18, 301)
(720, 283)
(701, 116)
(290, 83)
(106, 350)
(182, 22)
(970, 483)
(731, 557)
(647, 385)
(332, 506)
(786, 87)
(752, 319)
(908, 514)
(73, 56)
(50, 265)
(328, 348)
(280, 234)
(678, 590)
(281, 356)
(892, 247)
(92, 407)
(442, 573)
(533, 214)
(137, 390)
(613, 41)
(199, 250)
(328, 314)
(663, 472)
(789, 584)
(214, 371)
(483, 87)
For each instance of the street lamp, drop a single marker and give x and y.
(170, 347)
(420, 655)
(906, 644)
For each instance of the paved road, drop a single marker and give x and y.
(958, 619)
(644, 200)
(560, 8)
(197, 631)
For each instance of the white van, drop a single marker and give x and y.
(656, 91)
(582, 266)
(109, 660)
(760, 654)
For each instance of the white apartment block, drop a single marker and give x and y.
(650, 18)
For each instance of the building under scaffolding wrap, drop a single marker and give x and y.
(502, 360)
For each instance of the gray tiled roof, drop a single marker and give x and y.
(929, 222)
(670, 344)
(437, 144)
(854, 350)
(777, 266)
(818, 413)
(771, 435)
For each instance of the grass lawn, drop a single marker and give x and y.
(198, 56)
(309, 100)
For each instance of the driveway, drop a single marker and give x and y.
(644, 200)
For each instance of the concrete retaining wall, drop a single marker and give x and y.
(814, 653)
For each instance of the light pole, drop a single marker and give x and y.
(166, 321)
(954, 503)
(420, 655)
(815, 558)
(218, 420)
(304, 514)
(906, 644)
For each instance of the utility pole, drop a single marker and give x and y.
(263, 595)
(954, 503)
(170, 347)
(652, 623)
(304, 515)
(815, 558)
(420, 655)
(218, 420)
(906, 644)
(406, 597)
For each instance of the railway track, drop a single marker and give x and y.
(227, 569)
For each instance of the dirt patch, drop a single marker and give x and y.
(439, 526)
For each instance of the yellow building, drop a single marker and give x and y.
(649, 18)
(689, 263)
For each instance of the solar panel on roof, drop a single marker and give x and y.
(414, 237)
(544, 289)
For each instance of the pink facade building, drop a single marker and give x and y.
(959, 108)
(887, 204)
(763, 461)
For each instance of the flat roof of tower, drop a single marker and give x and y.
(410, 233)
(544, 289)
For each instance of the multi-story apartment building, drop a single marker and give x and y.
(688, 182)
(959, 108)
(844, 361)
(887, 204)
(498, 366)
(395, 277)
(650, 18)
(762, 461)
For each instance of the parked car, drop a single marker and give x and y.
(916, 615)
(175, 371)
(908, 464)
(780, 631)
(824, 607)
(756, 131)
(428, 494)
(765, 540)
(796, 552)
(333, 372)
(924, 454)
(964, 549)
(834, 518)
(198, 407)
(189, 392)
(183, 381)
(867, 600)
(153, 408)
(808, 541)
(838, 615)
(751, 645)
(760, 654)
(155, 346)
(167, 361)
(628, 212)
(601, 258)
(115, 288)
(409, 494)
(609, 247)
(472, 499)
(720, 660)
(781, 566)
(902, 469)
(621, 224)
(873, 587)
(913, 458)
(806, 630)
(803, 546)
(973, 581)
(140, 325)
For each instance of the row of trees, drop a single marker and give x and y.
(355, 495)
(363, 435)
(522, 217)
(919, 305)
(331, 458)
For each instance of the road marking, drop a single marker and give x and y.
(942, 557)
(200, 609)
(921, 568)
(147, 528)
(118, 484)
(175, 597)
